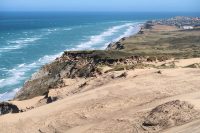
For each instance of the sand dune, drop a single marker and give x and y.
(119, 105)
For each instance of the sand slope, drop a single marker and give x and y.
(119, 105)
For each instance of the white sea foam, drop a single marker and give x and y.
(101, 37)
(58, 29)
(7, 95)
(132, 29)
(25, 41)
(3, 69)
(17, 44)
(50, 30)
(67, 29)
(18, 73)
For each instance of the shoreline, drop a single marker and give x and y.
(104, 90)
(144, 27)
(14, 92)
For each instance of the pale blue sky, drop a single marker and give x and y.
(101, 5)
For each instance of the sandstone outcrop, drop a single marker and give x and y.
(170, 114)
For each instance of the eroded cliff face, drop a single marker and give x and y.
(78, 64)
(82, 64)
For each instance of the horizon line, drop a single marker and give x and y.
(102, 11)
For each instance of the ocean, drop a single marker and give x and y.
(29, 40)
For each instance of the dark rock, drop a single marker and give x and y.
(46, 94)
(163, 58)
(141, 32)
(159, 72)
(83, 85)
(148, 26)
(46, 100)
(6, 108)
(116, 45)
(151, 59)
(123, 75)
(123, 39)
(86, 71)
(51, 99)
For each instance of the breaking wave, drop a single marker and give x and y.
(19, 73)
(101, 37)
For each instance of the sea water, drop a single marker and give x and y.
(29, 40)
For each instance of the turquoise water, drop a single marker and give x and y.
(30, 40)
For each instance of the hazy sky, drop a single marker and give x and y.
(101, 5)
